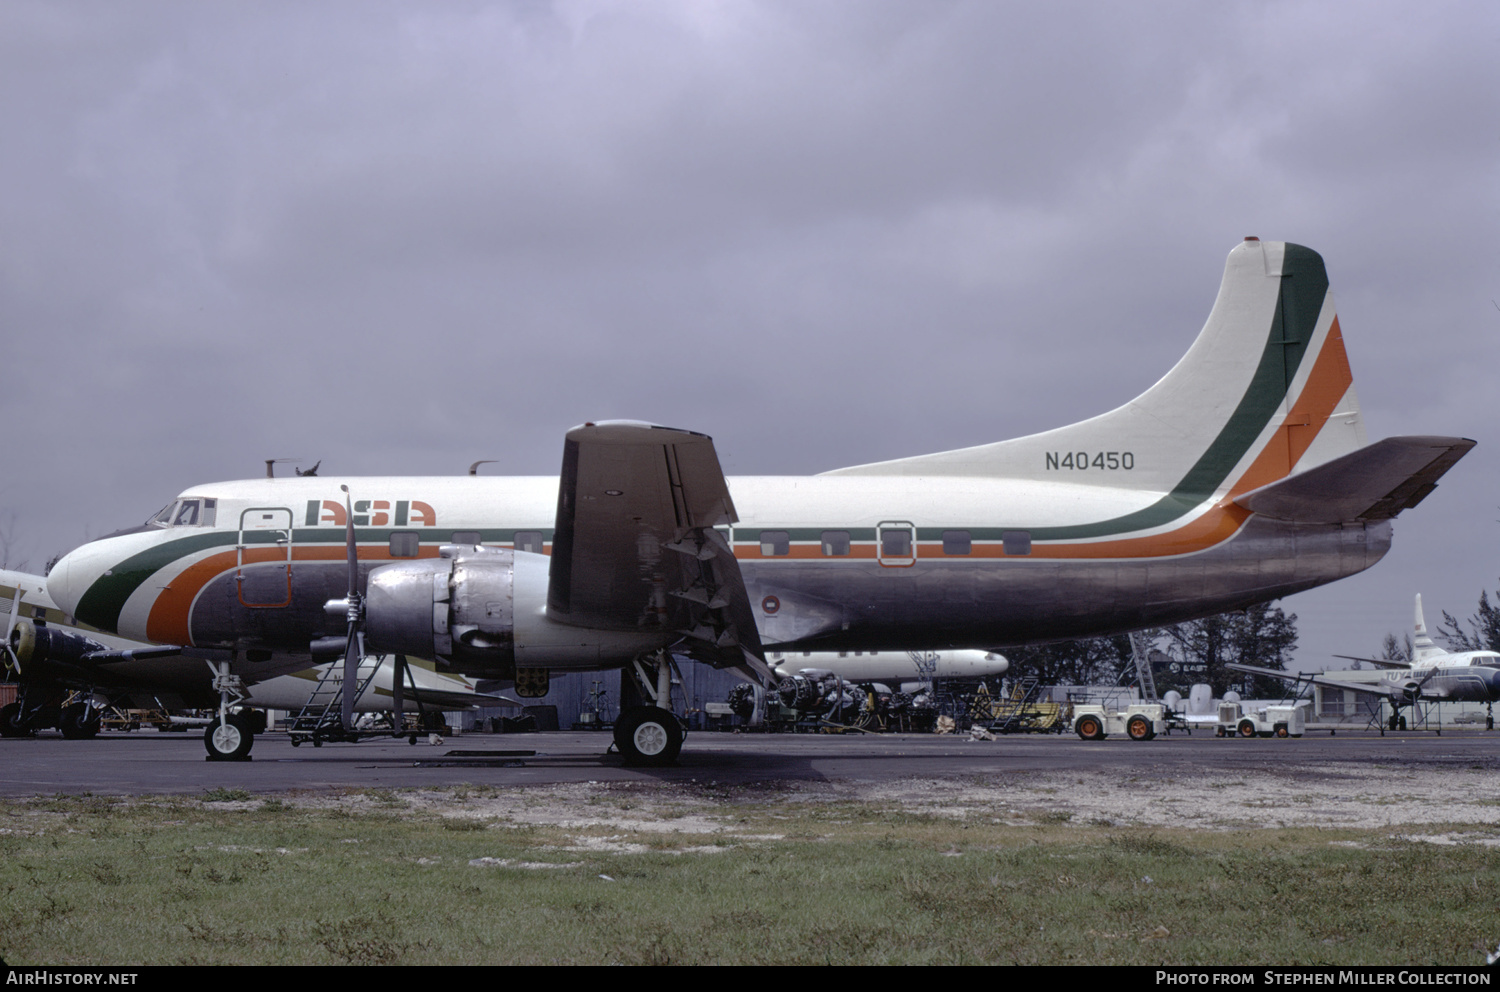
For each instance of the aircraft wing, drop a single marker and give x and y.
(1374, 483)
(1386, 689)
(635, 547)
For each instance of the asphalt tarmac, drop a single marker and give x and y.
(147, 762)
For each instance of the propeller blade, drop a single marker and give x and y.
(10, 625)
(354, 645)
(398, 690)
(353, 649)
(351, 549)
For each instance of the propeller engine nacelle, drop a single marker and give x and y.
(34, 645)
(1412, 690)
(460, 608)
(484, 611)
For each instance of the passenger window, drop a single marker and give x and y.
(775, 542)
(469, 537)
(836, 543)
(956, 542)
(1017, 542)
(404, 544)
(529, 540)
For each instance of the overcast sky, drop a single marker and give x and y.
(400, 237)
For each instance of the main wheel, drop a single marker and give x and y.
(1090, 728)
(648, 736)
(1139, 728)
(76, 724)
(229, 740)
(11, 723)
(1281, 730)
(1247, 728)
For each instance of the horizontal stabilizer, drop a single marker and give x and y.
(1374, 483)
(1381, 662)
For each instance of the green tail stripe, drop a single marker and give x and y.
(1304, 285)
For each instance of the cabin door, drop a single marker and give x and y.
(264, 568)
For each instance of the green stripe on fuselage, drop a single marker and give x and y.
(102, 603)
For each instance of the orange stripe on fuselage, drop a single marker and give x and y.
(167, 623)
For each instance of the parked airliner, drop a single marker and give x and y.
(1243, 475)
(1434, 673)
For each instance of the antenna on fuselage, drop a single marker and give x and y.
(270, 462)
(474, 469)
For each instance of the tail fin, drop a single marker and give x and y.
(1422, 644)
(1264, 389)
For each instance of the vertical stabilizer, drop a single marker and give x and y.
(1264, 390)
(1423, 648)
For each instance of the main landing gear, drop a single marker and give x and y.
(648, 736)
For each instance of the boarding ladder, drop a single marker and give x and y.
(1018, 710)
(1140, 654)
(321, 717)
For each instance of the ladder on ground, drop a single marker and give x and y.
(1012, 710)
(1139, 654)
(324, 707)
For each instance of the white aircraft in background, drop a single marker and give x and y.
(66, 673)
(1434, 673)
(890, 666)
(1243, 475)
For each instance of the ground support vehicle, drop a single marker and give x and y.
(1138, 721)
(1271, 721)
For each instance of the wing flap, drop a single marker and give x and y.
(1374, 483)
(635, 546)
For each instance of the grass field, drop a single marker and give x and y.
(700, 877)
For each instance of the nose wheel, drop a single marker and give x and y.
(229, 739)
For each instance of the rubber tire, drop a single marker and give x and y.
(1089, 728)
(231, 742)
(74, 727)
(1247, 728)
(1281, 730)
(10, 722)
(648, 737)
(1138, 728)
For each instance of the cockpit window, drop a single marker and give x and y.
(186, 513)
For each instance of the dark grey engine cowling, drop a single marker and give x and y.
(459, 608)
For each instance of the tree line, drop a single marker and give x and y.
(1197, 651)
(1186, 653)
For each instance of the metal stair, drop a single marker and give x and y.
(320, 718)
